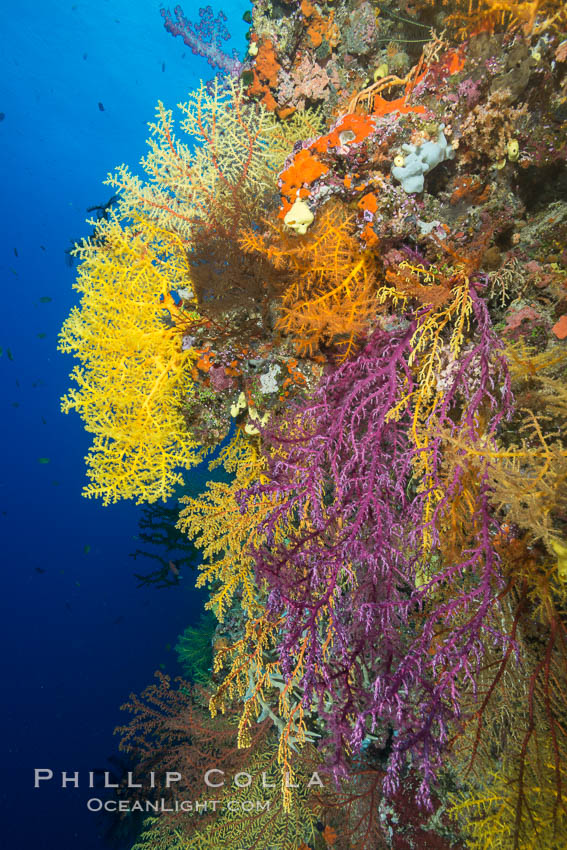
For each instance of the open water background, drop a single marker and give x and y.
(78, 635)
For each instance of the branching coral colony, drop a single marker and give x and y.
(350, 273)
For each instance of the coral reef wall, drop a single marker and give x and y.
(346, 266)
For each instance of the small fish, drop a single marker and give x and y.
(14, 272)
(2, 116)
(174, 568)
(162, 666)
(1, 352)
(41, 336)
(163, 66)
(117, 621)
(10, 356)
(39, 570)
(16, 252)
(45, 299)
(168, 647)
(56, 483)
(85, 55)
(43, 420)
(43, 460)
(78, 583)
(87, 549)
(15, 404)
(43, 248)
(100, 106)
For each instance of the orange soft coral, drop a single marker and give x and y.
(267, 65)
(304, 169)
(330, 296)
(560, 327)
(350, 129)
(531, 16)
(368, 202)
(381, 107)
(320, 29)
(265, 72)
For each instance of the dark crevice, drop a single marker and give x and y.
(540, 187)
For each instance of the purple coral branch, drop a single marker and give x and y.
(205, 38)
(347, 468)
(341, 475)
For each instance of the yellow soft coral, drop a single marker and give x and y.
(560, 549)
(217, 526)
(519, 805)
(216, 179)
(133, 375)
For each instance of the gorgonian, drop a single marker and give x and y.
(378, 640)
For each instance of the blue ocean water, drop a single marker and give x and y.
(78, 84)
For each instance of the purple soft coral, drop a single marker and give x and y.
(205, 38)
(341, 471)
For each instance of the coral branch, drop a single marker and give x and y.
(205, 38)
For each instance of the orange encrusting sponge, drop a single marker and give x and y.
(305, 167)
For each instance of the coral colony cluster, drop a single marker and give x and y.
(345, 269)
